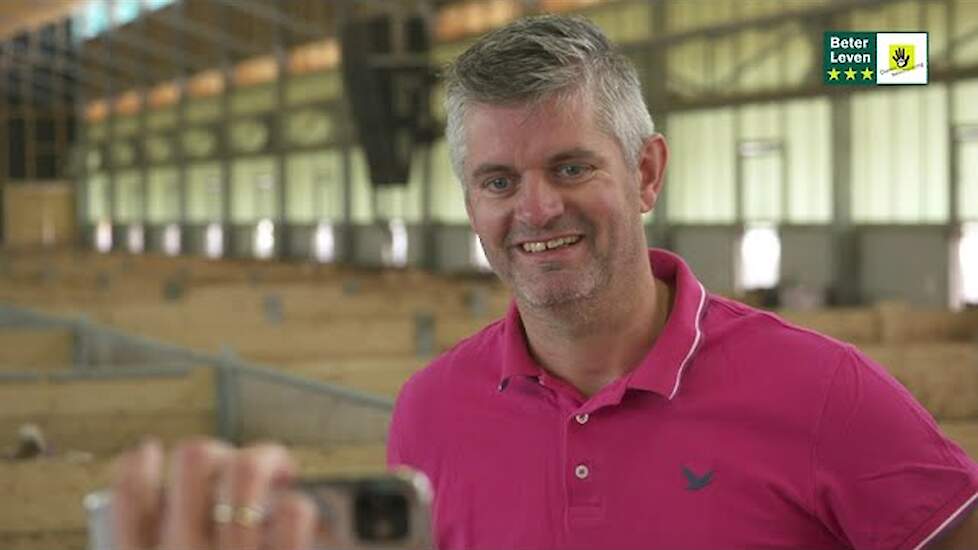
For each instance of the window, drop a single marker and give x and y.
(135, 239)
(92, 20)
(214, 241)
(968, 263)
(171, 239)
(324, 245)
(395, 253)
(157, 4)
(103, 236)
(124, 12)
(760, 257)
(264, 242)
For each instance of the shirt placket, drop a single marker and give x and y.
(583, 471)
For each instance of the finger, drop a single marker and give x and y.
(136, 495)
(194, 467)
(246, 484)
(293, 522)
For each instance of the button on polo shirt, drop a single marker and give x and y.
(737, 430)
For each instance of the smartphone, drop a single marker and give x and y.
(389, 511)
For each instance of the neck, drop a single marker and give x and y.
(591, 346)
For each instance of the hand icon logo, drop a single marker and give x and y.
(901, 58)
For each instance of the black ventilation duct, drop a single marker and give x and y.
(387, 80)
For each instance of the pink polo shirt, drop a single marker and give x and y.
(737, 430)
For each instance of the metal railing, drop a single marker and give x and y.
(252, 401)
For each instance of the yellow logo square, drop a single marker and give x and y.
(901, 57)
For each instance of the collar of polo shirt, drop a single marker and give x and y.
(662, 369)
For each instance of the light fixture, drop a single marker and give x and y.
(760, 257)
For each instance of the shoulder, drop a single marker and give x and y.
(743, 333)
(472, 363)
(431, 398)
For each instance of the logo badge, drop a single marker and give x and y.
(865, 58)
(901, 58)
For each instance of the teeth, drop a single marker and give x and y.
(540, 246)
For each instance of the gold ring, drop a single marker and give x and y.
(245, 516)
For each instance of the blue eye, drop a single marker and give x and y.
(573, 171)
(497, 185)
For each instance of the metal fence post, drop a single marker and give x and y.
(227, 397)
(82, 352)
(424, 334)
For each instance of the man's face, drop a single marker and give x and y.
(551, 199)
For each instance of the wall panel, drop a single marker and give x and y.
(809, 161)
(968, 184)
(361, 209)
(162, 187)
(964, 31)
(97, 194)
(899, 155)
(700, 178)
(204, 198)
(254, 194)
(128, 197)
(315, 187)
(256, 99)
(314, 87)
(448, 200)
(203, 110)
(162, 119)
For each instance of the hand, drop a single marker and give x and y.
(215, 497)
(901, 58)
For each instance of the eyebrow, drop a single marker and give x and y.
(575, 153)
(490, 169)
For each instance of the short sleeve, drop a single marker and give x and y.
(884, 474)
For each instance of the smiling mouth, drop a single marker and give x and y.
(536, 247)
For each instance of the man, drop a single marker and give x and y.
(618, 404)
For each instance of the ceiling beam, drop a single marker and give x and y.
(207, 32)
(28, 58)
(179, 58)
(763, 23)
(272, 14)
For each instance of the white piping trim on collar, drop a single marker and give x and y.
(696, 341)
(951, 518)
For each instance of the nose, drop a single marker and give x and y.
(539, 200)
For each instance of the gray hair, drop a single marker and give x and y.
(536, 58)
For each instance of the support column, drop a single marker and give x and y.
(224, 150)
(30, 110)
(283, 230)
(429, 250)
(846, 267)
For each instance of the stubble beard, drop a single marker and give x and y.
(557, 290)
(577, 297)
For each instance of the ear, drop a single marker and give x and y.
(651, 170)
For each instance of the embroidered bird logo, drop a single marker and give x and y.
(696, 482)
